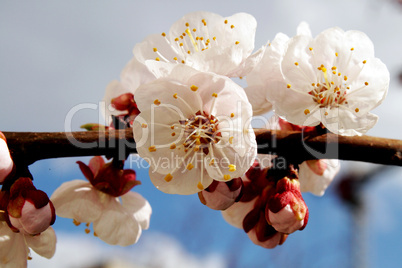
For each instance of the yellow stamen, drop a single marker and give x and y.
(152, 148)
(173, 146)
(168, 177)
(214, 95)
(144, 125)
(232, 168)
(306, 112)
(357, 110)
(194, 88)
(200, 186)
(190, 166)
(289, 85)
(226, 177)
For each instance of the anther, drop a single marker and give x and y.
(173, 146)
(152, 148)
(232, 168)
(226, 177)
(288, 85)
(168, 177)
(190, 166)
(194, 88)
(200, 186)
(306, 112)
(157, 102)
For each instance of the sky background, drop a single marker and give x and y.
(56, 55)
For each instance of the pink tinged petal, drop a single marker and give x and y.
(33, 221)
(285, 220)
(44, 244)
(6, 163)
(13, 251)
(262, 233)
(139, 207)
(317, 166)
(221, 195)
(117, 226)
(95, 164)
(77, 200)
(235, 214)
(315, 183)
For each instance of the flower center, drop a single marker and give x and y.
(331, 88)
(191, 41)
(200, 130)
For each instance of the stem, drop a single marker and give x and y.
(294, 146)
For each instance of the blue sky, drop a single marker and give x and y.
(56, 55)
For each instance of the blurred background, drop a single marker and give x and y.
(55, 55)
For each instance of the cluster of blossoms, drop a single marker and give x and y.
(192, 124)
(191, 121)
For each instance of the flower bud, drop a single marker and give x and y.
(30, 210)
(221, 195)
(260, 232)
(125, 102)
(108, 178)
(6, 163)
(286, 210)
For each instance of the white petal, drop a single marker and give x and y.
(183, 181)
(117, 226)
(314, 183)
(258, 99)
(303, 29)
(236, 213)
(77, 200)
(345, 122)
(139, 207)
(44, 244)
(13, 251)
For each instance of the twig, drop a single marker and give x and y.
(294, 146)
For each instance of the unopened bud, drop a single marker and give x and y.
(221, 195)
(30, 210)
(286, 210)
(262, 233)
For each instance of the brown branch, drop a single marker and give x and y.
(295, 146)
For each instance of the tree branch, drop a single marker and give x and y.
(294, 146)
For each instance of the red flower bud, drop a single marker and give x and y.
(221, 195)
(286, 210)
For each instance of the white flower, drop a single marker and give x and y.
(267, 74)
(206, 42)
(117, 221)
(193, 127)
(333, 79)
(15, 247)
